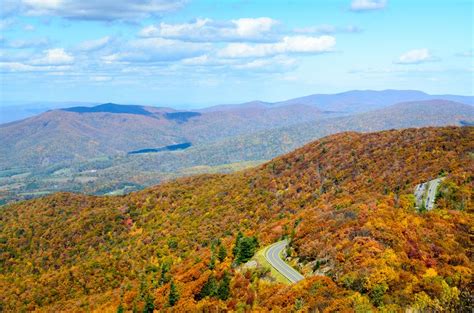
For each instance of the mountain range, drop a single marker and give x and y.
(94, 148)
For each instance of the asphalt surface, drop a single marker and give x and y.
(430, 199)
(426, 193)
(273, 257)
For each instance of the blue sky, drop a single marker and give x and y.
(195, 53)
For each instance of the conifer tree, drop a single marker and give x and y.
(235, 250)
(174, 295)
(223, 292)
(222, 253)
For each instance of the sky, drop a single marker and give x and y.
(196, 53)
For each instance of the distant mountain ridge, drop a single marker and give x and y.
(111, 108)
(354, 101)
(64, 150)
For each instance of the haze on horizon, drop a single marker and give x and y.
(198, 53)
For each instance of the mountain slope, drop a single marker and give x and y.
(268, 144)
(123, 173)
(81, 133)
(345, 202)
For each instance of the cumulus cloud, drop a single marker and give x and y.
(106, 10)
(415, 56)
(54, 57)
(207, 60)
(289, 44)
(207, 30)
(368, 5)
(95, 44)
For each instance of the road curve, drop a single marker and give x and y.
(273, 257)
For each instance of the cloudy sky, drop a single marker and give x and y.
(200, 52)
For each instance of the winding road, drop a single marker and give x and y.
(273, 257)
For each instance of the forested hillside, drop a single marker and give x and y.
(215, 142)
(345, 203)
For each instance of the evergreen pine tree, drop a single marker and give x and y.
(212, 262)
(247, 247)
(209, 289)
(223, 292)
(149, 304)
(222, 253)
(164, 278)
(174, 295)
(235, 250)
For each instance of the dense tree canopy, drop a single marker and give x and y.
(345, 201)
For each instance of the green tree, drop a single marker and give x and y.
(174, 295)
(235, 250)
(149, 304)
(222, 253)
(120, 308)
(212, 262)
(247, 248)
(164, 277)
(210, 288)
(223, 292)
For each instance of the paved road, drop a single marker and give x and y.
(433, 187)
(426, 193)
(273, 257)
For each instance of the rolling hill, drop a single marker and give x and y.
(80, 133)
(345, 202)
(116, 169)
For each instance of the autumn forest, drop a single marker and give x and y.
(345, 204)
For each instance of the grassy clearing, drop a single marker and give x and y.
(262, 261)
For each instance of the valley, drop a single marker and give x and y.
(116, 149)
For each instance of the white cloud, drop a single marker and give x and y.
(55, 56)
(101, 78)
(29, 28)
(415, 56)
(95, 44)
(253, 27)
(26, 43)
(289, 44)
(277, 63)
(328, 29)
(367, 5)
(207, 30)
(206, 60)
(6, 23)
(156, 50)
(15, 67)
(107, 10)
(465, 54)
(21, 67)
